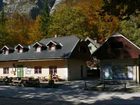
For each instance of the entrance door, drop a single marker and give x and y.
(20, 72)
(53, 72)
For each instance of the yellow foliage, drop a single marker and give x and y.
(22, 30)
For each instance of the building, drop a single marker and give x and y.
(62, 56)
(92, 44)
(119, 59)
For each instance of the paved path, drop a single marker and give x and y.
(69, 94)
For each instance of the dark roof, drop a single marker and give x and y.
(38, 43)
(68, 42)
(21, 46)
(117, 47)
(7, 47)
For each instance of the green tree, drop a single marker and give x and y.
(44, 16)
(84, 18)
(3, 31)
(67, 21)
(131, 28)
(122, 8)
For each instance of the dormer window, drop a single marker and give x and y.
(39, 47)
(52, 45)
(6, 50)
(20, 49)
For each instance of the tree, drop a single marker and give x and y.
(18, 29)
(131, 28)
(3, 31)
(34, 30)
(97, 24)
(122, 8)
(44, 16)
(67, 21)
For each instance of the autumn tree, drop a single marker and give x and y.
(67, 21)
(35, 33)
(84, 18)
(17, 28)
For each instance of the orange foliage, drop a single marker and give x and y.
(99, 24)
(22, 30)
(34, 32)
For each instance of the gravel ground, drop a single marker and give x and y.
(71, 93)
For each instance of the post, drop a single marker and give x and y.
(138, 78)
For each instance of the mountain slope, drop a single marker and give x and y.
(29, 7)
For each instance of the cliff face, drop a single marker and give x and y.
(28, 7)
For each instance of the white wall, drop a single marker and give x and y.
(11, 73)
(61, 72)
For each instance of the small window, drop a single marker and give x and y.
(117, 45)
(52, 47)
(20, 50)
(38, 49)
(5, 52)
(6, 70)
(37, 70)
(90, 48)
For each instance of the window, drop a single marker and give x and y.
(52, 70)
(52, 47)
(5, 52)
(38, 49)
(37, 70)
(6, 70)
(19, 50)
(117, 45)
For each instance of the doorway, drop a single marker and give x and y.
(20, 72)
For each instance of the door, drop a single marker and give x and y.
(20, 72)
(53, 72)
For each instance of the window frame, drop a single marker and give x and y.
(38, 49)
(37, 70)
(52, 70)
(6, 70)
(6, 52)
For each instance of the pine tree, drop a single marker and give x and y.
(3, 32)
(45, 14)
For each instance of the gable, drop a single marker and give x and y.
(117, 47)
(81, 51)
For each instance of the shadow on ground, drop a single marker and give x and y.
(112, 101)
(72, 93)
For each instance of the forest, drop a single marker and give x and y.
(97, 19)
